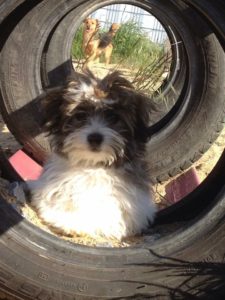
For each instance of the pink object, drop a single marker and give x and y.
(182, 186)
(25, 166)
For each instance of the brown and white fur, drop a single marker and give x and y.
(96, 181)
(103, 46)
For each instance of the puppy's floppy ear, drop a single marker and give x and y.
(114, 81)
(50, 106)
(57, 105)
(145, 107)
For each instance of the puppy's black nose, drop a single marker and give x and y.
(95, 139)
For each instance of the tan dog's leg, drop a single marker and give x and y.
(108, 54)
(93, 56)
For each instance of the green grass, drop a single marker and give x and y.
(76, 50)
(134, 51)
(132, 46)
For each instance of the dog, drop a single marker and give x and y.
(96, 181)
(90, 36)
(103, 45)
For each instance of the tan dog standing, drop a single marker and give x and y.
(103, 45)
(91, 27)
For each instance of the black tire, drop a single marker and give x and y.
(184, 261)
(29, 66)
(213, 14)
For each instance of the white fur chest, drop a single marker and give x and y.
(94, 201)
(91, 188)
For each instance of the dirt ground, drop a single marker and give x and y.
(203, 168)
(101, 70)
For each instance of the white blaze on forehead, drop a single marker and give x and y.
(87, 91)
(83, 89)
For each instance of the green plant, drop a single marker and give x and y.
(132, 45)
(76, 50)
(147, 61)
(143, 61)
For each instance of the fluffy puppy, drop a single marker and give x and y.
(96, 180)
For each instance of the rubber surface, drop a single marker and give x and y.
(184, 259)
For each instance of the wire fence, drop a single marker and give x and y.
(122, 13)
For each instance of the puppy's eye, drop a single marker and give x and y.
(112, 117)
(115, 118)
(80, 116)
(67, 127)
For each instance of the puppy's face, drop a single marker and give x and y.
(95, 133)
(91, 25)
(97, 122)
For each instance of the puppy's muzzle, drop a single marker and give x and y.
(95, 141)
